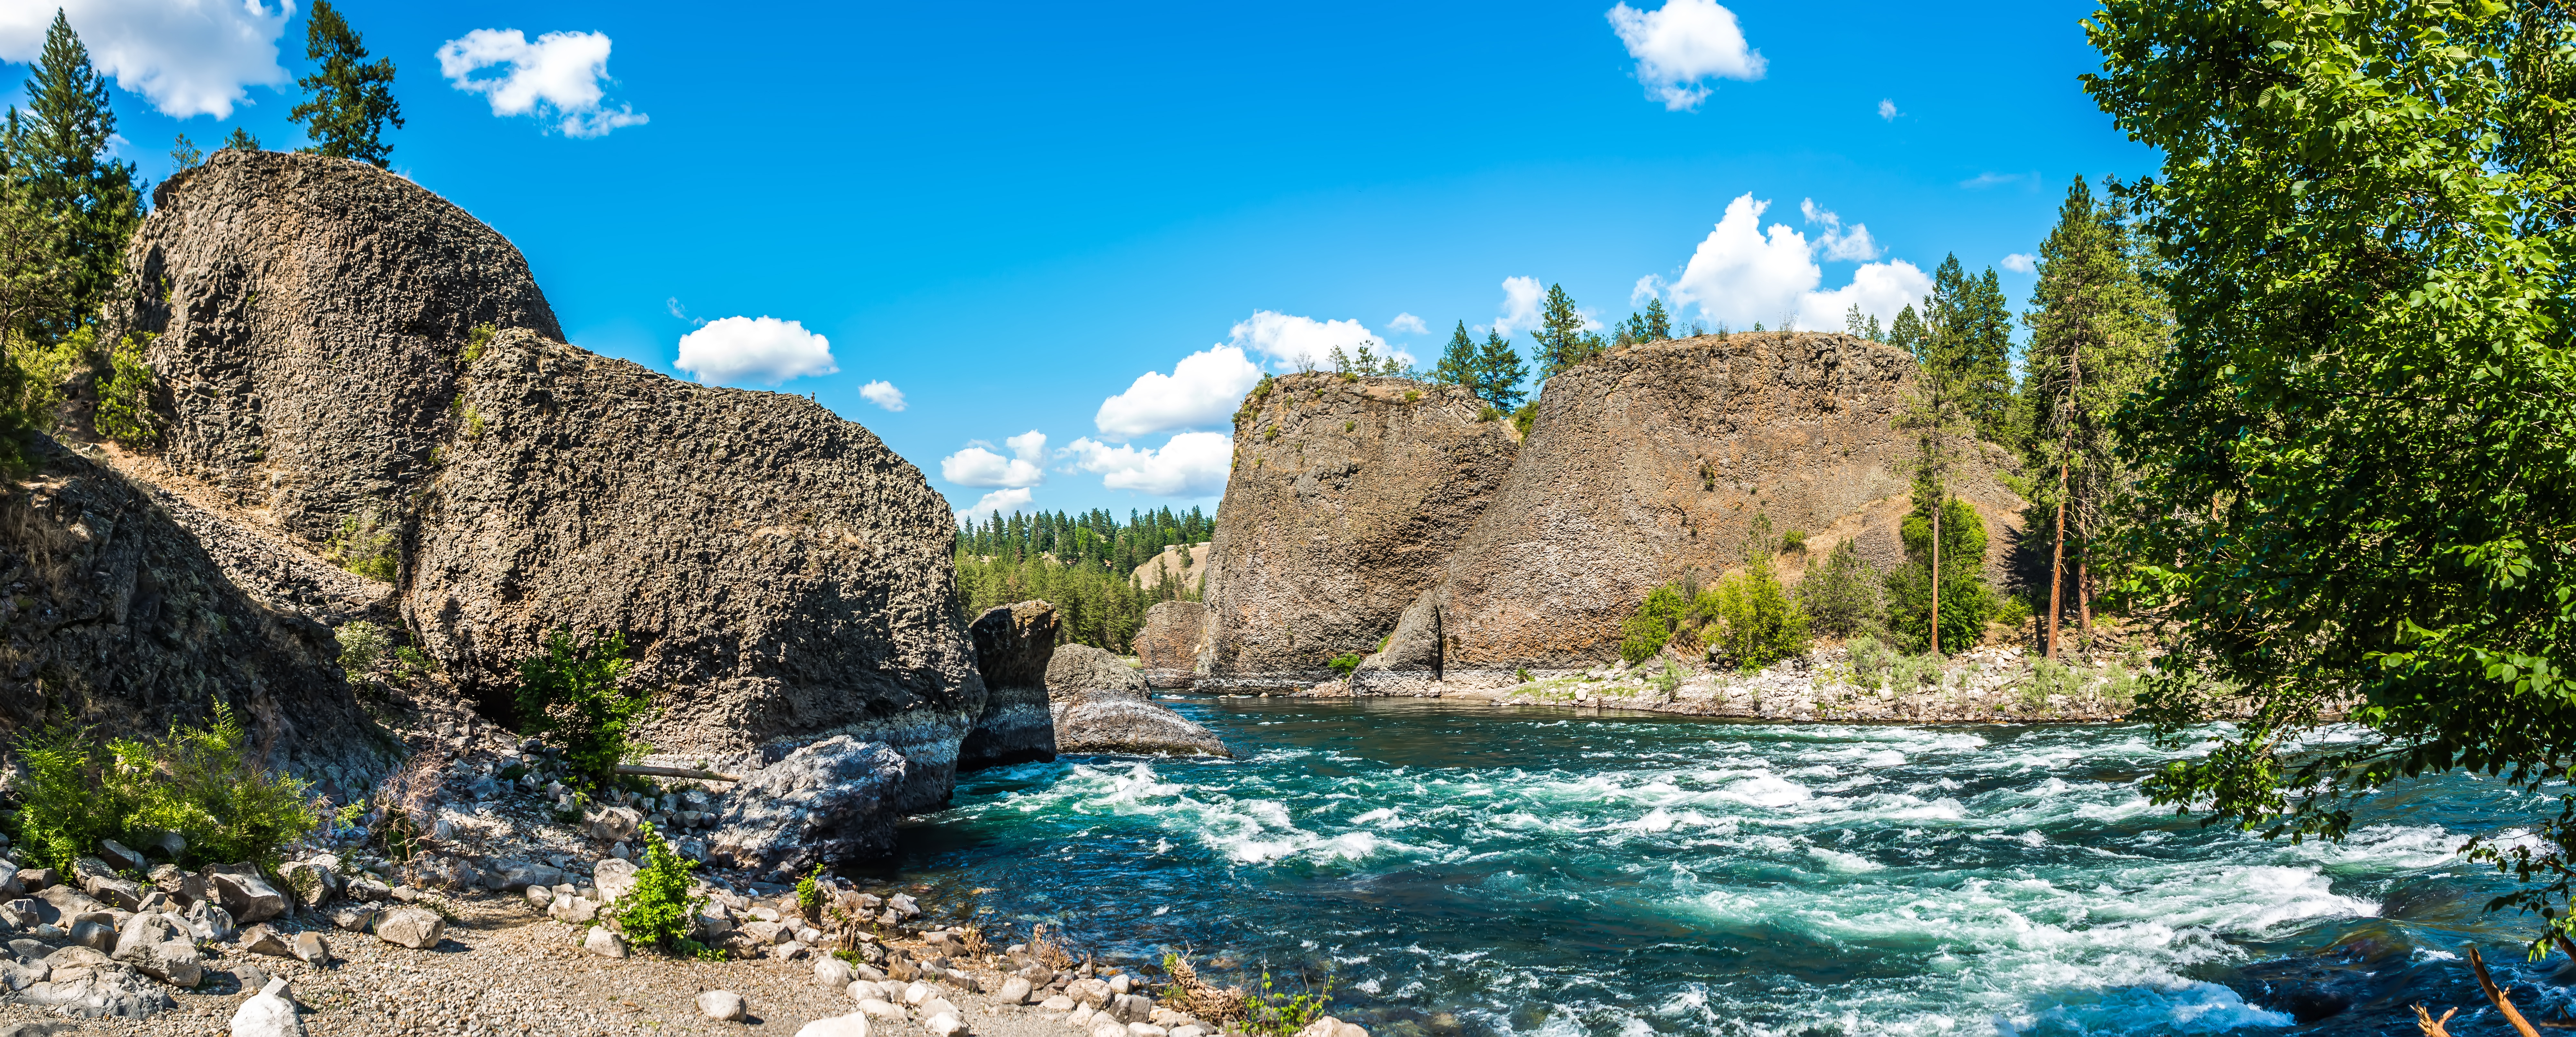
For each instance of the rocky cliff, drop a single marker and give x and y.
(1346, 499)
(781, 575)
(1641, 465)
(1013, 645)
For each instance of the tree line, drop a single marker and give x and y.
(1083, 564)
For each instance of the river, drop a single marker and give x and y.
(1477, 870)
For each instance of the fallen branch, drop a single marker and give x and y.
(2496, 994)
(654, 771)
(2433, 1027)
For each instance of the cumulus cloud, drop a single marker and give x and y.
(556, 79)
(1887, 109)
(1681, 44)
(1296, 343)
(995, 503)
(978, 465)
(1202, 389)
(1408, 324)
(1191, 464)
(188, 57)
(2021, 263)
(883, 394)
(1742, 273)
(1837, 244)
(765, 350)
(1520, 306)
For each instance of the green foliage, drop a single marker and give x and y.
(1669, 681)
(362, 645)
(477, 339)
(570, 693)
(1561, 342)
(1344, 663)
(2356, 479)
(204, 783)
(1966, 601)
(1653, 324)
(474, 425)
(1271, 1012)
(1652, 626)
(1252, 400)
(366, 545)
(184, 153)
(1367, 362)
(1794, 541)
(1856, 325)
(1493, 371)
(1521, 675)
(1082, 564)
(809, 891)
(241, 140)
(1525, 417)
(1761, 623)
(58, 156)
(660, 912)
(350, 99)
(1870, 660)
(125, 398)
(1841, 594)
(1457, 364)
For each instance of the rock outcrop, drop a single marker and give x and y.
(1079, 668)
(367, 370)
(1169, 645)
(835, 800)
(1013, 645)
(1100, 706)
(1346, 499)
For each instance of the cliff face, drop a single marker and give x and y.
(1345, 500)
(1641, 465)
(782, 576)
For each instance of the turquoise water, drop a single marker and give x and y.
(1518, 871)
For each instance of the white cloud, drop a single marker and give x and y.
(995, 503)
(883, 394)
(2021, 263)
(978, 465)
(1520, 306)
(555, 78)
(1202, 389)
(1986, 180)
(1681, 44)
(1293, 343)
(1192, 464)
(1742, 274)
(1887, 109)
(188, 57)
(1837, 244)
(765, 350)
(1408, 324)
(673, 304)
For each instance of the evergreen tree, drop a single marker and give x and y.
(1561, 342)
(1653, 324)
(184, 153)
(1499, 372)
(1936, 413)
(349, 101)
(241, 140)
(59, 152)
(1458, 362)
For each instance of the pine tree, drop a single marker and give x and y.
(1653, 324)
(241, 140)
(184, 153)
(1936, 414)
(1561, 342)
(349, 101)
(1458, 362)
(1499, 372)
(60, 153)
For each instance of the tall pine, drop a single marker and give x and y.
(1561, 341)
(350, 99)
(58, 154)
(1457, 364)
(1499, 372)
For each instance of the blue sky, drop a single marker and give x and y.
(1011, 213)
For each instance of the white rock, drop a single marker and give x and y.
(414, 927)
(937, 1006)
(723, 1006)
(1192, 1030)
(540, 896)
(603, 943)
(1081, 1018)
(1122, 984)
(880, 1008)
(615, 879)
(917, 993)
(268, 1014)
(944, 1025)
(1015, 991)
(1057, 1003)
(1108, 1028)
(851, 1025)
(1146, 1030)
(833, 972)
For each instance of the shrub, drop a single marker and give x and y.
(660, 911)
(41, 372)
(1521, 674)
(478, 339)
(473, 423)
(124, 411)
(1523, 418)
(1966, 602)
(570, 692)
(1841, 596)
(809, 892)
(1277, 1013)
(202, 783)
(1645, 633)
(361, 644)
(1669, 681)
(1794, 541)
(2011, 611)
(1344, 663)
(1870, 660)
(1762, 624)
(1252, 401)
(365, 545)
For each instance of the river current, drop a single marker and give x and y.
(1479, 870)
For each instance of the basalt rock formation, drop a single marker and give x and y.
(370, 372)
(1013, 644)
(1169, 645)
(1642, 465)
(1101, 706)
(1346, 499)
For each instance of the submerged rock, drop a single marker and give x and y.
(834, 801)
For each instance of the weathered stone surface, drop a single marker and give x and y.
(603, 943)
(119, 856)
(1013, 644)
(313, 884)
(1125, 722)
(159, 946)
(1345, 501)
(1654, 460)
(99, 994)
(833, 801)
(854, 1024)
(723, 1006)
(414, 927)
(247, 896)
(1174, 634)
(270, 1013)
(613, 878)
(1077, 669)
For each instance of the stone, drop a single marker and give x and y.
(208, 920)
(1131, 1008)
(880, 1008)
(356, 918)
(614, 878)
(573, 910)
(76, 957)
(1126, 723)
(1057, 1003)
(1327, 1026)
(415, 927)
(122, 894)
(916, 993)
(539, 897)
(1107, 1027)
(270, 1013)
(99, 994)
(854, 1024)
(368, 889)
(260, 939)
(119, 857)
(309, 947)
(312, 884)
(19, 975)
(833, 972)
(1092, 992)
(1122, 984)
(1077, 668)
(938, 1006)
(1013, 644)
(1174, 634)
(156, 902)
(94, 935)
(35, 880)
(1145, 1030)
(159, 946)
(1189, 1030)
(603, 943)
(523, 875)
(613, 824)
(903, 904)
(828, 803)
(166, 845)
(944, 1025)
(723, 1006)
(1015, 991)
(249, 897)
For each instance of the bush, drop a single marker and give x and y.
(124, 411)
(1794, 541)
(1841, 595)
(1277, 1013)
(1762, 624)
(1966, 602)
(570, 692)
(477, 339)
(1657, 618)
(1525, 417)
(202, 783)
(1870, 660)
(809, 892)
(41, 372)
(660, 912)
(1344, 663)
(366, 546)
(362, 644)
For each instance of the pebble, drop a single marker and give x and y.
(723, 1006)
(1015, 991)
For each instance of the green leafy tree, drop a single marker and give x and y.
(2357, 465)
(1663, 613)
(570, 692)
(1935, 412)
(124, 411)
(36, 267)
(1841, 594)
(1968, 315)
(350, 99)
(1499, 372)
(1457, 364)
(1760, 623)
(59, 151)
(1966, 602)
(1561, 341)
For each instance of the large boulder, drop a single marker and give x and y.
(375, 372)
(1125, 722)
(1082, 668)
(1345, 501)
(1013, 644)
(834, 801)
(160, 946)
